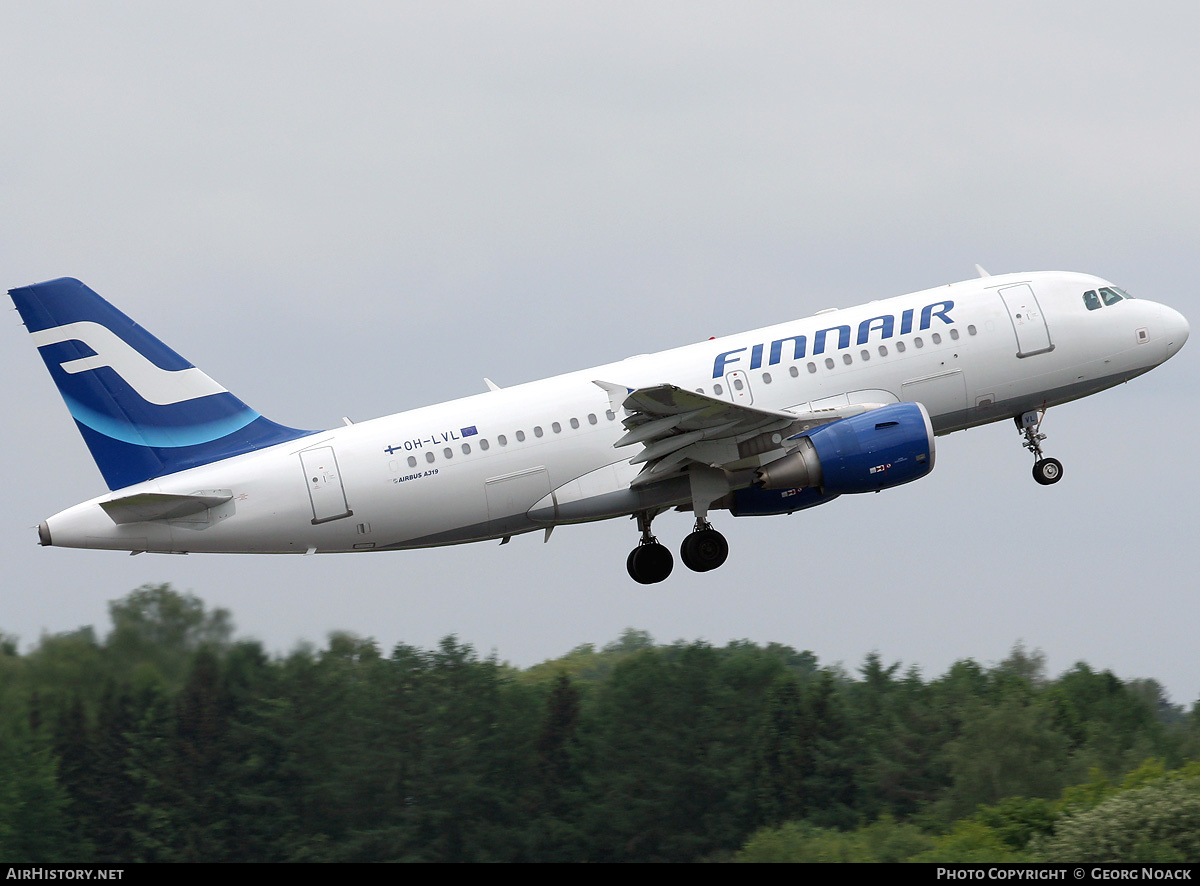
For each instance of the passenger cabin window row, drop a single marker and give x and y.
(1109, 296)
(502, 439)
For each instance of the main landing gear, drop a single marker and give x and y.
(704, 548)
(651, 562)
(1046, 471)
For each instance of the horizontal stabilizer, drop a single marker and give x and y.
(146, 506)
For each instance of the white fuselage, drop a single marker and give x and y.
(537, 454)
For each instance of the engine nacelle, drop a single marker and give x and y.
(864, 453)
(763, 502)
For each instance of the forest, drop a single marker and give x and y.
(169, 739)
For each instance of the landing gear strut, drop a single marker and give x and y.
(704, 548)
(1045, 470)
(650, 562)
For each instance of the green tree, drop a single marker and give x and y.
(1157, 822)
(806, 755)
(1005, 750)
(34, 817)
(157, 630)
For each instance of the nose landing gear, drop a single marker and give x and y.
(1046, 471)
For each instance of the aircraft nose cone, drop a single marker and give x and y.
(1175, 330)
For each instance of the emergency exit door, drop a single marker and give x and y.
(1029, 324)
(325, 489)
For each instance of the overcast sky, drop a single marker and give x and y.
(355, 209)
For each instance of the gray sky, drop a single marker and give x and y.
(356, 209)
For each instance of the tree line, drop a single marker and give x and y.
(168, 739)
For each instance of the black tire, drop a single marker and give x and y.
(649, 564)
(1047, 471)
(704, 550)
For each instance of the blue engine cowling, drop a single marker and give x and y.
(878, 449)
(755, 502)
(865, 453)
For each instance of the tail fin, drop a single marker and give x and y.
(143, 410)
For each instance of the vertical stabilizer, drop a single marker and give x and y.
(143, 410)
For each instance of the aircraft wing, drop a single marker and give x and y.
(677, 427)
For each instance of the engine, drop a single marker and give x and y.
(754, 502)
(865, 453)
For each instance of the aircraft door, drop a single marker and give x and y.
(739, 388)
(325, 489)
(1029, 323)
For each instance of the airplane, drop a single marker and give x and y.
(764, 422)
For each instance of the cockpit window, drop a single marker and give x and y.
(1109, 295)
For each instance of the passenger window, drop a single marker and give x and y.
(1091, 300)
(412, 461)
(718, 390)
(520, 436)
(954, 334)
(900, 346)
(812, 367)
(537, 430)
(484, 445)
(502, 440)
(847, 359)
(829, 363)
(466, 448)
(429, 457)
(766, 378)
(575, 424)
(610, 415)
(917, 341)
(937, 338)
(866, 355)
(737, 384)
(971, 330)
(794, 372)
(448, 452)
(556, 427)
(591, 418)
(883, 350)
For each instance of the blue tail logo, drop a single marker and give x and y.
(142, 409)
(155, 385)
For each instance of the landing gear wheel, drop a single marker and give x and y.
(703, 550)
(649, 564)
(1047, 471)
